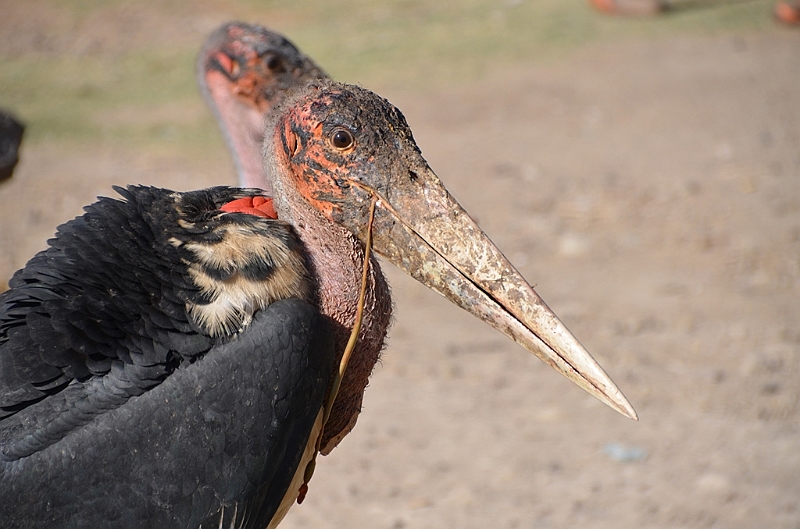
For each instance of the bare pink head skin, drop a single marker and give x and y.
(243, 70)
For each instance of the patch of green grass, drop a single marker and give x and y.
(147, 95)
(414, 43)
(83, 98)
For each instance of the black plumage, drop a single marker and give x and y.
(10, 139)
(102, 329)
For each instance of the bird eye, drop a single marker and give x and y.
(342, 139)
(275, 64)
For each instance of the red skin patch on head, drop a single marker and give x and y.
(258, 206)
(247, 76)
(254, 77)
(224, 61)
(316, 187)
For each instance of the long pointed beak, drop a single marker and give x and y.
(421, 228)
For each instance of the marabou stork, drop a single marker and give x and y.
(170, 360)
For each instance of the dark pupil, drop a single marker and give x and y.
(275, 64)
(342, 139)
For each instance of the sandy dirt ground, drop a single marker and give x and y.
(651, 191)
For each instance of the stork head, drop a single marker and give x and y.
(243, 70)
(341, 148)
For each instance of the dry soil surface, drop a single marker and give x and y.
(651, 191)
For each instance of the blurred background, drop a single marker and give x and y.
(643, 173)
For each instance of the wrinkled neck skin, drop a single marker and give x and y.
(243, 128)
(336, 259)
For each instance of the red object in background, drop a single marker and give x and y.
(629, 7)
(788, 13)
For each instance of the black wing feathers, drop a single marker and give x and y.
(101, 293)
(220, 436)
(110, 389)
(113, 287)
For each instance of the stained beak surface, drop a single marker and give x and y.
(421, 228)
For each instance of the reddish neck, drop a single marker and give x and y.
(243, 128)
(336, 259)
